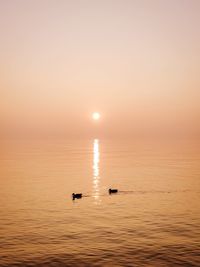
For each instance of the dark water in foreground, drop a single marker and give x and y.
(153, 221)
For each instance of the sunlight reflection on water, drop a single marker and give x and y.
(96, 177)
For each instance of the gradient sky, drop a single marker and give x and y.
(136, 62)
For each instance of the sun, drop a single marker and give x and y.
(96, 116)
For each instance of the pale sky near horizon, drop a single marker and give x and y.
(135, 62)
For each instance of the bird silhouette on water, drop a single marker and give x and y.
(112, 191)
(74, 196)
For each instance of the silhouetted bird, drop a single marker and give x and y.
(111, 191)
(76, 196)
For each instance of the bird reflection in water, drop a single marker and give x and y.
(96, 177)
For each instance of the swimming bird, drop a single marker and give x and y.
(74, 196)
(111, 191)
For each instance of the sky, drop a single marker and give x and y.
(136, 62)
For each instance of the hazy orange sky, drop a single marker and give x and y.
(136, 62)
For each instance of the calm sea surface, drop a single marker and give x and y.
(154, 220)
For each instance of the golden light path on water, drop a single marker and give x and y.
(96, 177)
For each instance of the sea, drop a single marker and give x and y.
(153, 220)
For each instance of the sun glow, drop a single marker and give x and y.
(96, 116)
